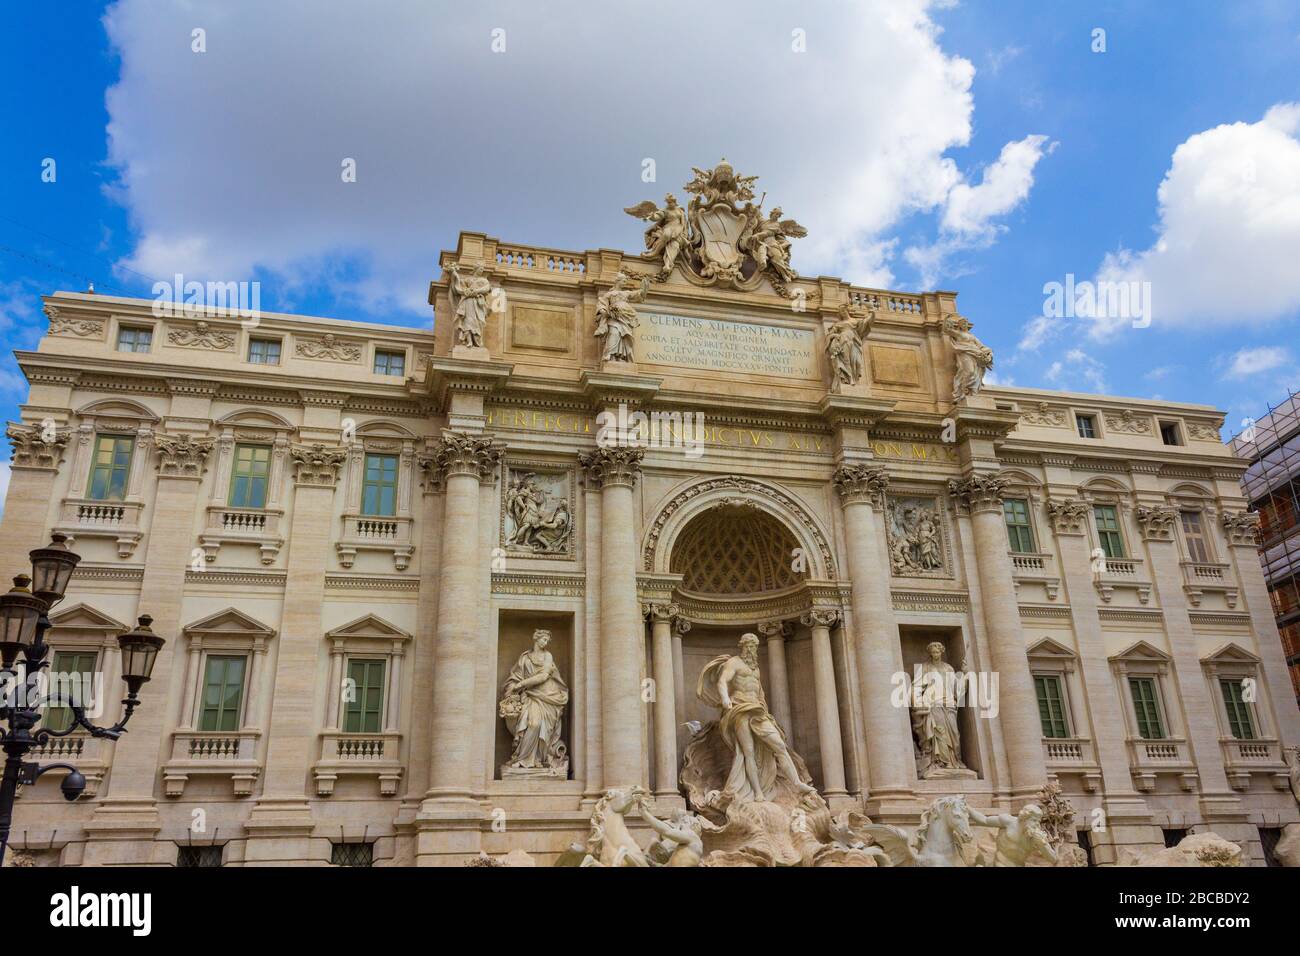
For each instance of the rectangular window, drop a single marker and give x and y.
(1108, 537)
(1087, 426)
(249, 476)
(352, 854)
(364, 714)
(223, 690)
(379, 490)
(1051, 706)
(198, 855)
(264, 351)
(1018, 530)
(1169, 433)
(69, 662)
(1146, 708)
(390, 363)
(134, 339)
(110, 468)
(1239, 722)
(1198, 548)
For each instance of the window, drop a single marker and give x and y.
(1239, 722)
(390, 363)
(198, 855)
(110, 468)
(68, 663)
(365, 713)
(134, 339)
(249, 476)
(264, 351)
(1087, 425)
(1198, 548)
(223, 689)
(1268, 840)
(1174, 835)
(1169, 433)
(379, 490)
(1146, 708)
(1108, 536)
(1051, 705)
(1085, 841)
(352, 854)
(1018, 530)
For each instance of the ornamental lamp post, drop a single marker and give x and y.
(24, 619)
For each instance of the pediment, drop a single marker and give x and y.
(1050, 648)
(370, 626)
(1142, 651)
(1230, 653)
(82, 617)
(230, 621)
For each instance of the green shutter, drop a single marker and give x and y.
(1051, 706)
(68, 662)
(1239, 722)
(379, 489)
(1146, 708)
(110, 468)
(1108, 534)
(248, 479)
(223, 690)
(364, 714)
(1019, 534)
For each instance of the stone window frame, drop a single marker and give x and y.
(1190, 497)
(1146, 660)
(1233, 662)
(1098, 435)
(250, 639)
(540, 465)
(943, 507)
(119, 322)
(369, 637)
(248, 426)
(1102, 491)
(379, 346)
(380, 436)
(1023, 485)
(1051, 658)
(261, 335)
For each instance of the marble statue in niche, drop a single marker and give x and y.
(915, 538)
(934, 717)
(532, 705)
(537, 516)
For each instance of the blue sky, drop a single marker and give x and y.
(978, 146)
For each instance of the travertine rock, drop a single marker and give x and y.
(1287, 850)
(1199, 849)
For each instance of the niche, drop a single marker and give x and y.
(915, 641)
(515, 630)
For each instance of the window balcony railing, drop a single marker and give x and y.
(1122, 573)
(230, 754)
(391, 534)
(372, 755)
(1036, 567)
(87, 518)
(1263, 755)
(1168, 755)
(90, 754)
(1072, 756)
(1200, 577)
(254, 526)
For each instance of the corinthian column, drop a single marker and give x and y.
(1022, 729)
(662, 619)
(614, 471)
(886, 727)
(463, 462)
(829, 739)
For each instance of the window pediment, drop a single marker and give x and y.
(82, 617)
(230, 622)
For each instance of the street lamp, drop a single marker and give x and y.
(24, 619)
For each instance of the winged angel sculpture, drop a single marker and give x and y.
(722, 235)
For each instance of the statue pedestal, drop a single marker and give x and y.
(951, 773)
(560, 772)
(475, 352)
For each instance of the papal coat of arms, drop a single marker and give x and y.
(721, 236)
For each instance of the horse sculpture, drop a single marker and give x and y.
(943, 833)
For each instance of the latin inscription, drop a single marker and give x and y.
(719, 345)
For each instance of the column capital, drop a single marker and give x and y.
(1068, 515)
(317, 464)
(1241, 527)
(1156, 522)
(659, 612)
(820, 617)
(861, 483)
(775, 629)
(461, 453)
(608, 467)
(38, 446)
(978, 492)
(182, 456)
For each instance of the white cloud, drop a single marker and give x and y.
(1249, 362)
(1229, 232)
(540, 144)
(1077, 371)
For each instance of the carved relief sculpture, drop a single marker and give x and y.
(934, 718)
(844, 346)
(1241, 527)
(317, 464)
(667, 234)
(1157, 523)
(63, 325)
(201, 336)
(973, 357)
(915, 539)
(327, 347)
(616, 318)
(532, 705)
(469, 302)
(182, 455)
(1069, 516)
(537, 517)
(36, 446)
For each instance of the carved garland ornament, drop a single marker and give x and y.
(1068, 516)
(37, 447)
(328, 348)
(182, 456)
(1129, 423)
(62, 325)
(745, 487)
(202, 336)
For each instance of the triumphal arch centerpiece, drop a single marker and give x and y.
(671, 557)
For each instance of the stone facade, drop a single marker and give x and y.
(841, 505)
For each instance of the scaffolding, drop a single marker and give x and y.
(1272, 485)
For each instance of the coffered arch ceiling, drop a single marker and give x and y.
(735, 549)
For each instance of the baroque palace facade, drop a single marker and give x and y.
(428, 594)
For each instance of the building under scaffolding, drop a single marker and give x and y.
(1272, 484)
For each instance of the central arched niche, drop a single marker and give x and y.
(735, 549)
